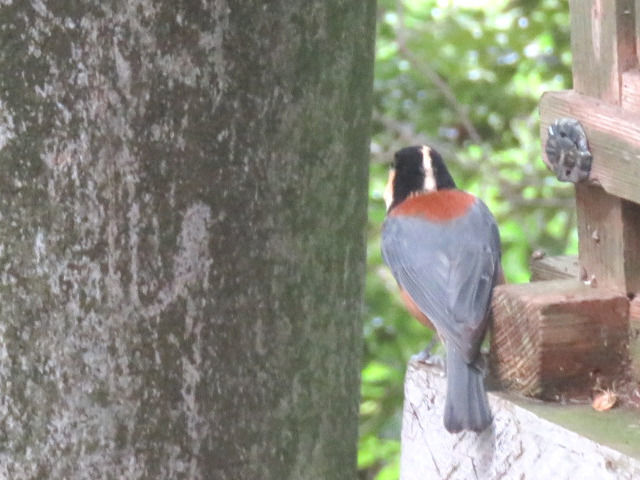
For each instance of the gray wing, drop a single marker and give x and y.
(449, 270)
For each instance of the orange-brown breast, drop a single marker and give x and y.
(414, 310)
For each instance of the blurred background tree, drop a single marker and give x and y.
(464, 76)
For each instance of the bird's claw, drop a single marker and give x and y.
(426, 356)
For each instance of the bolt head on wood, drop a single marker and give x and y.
(568, 154)
(555, 339)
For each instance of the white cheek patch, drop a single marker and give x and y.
(388, 189)
(429, 176)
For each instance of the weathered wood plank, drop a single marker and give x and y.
(609, 238)
(613, 135)
(560, 267)
(600, 242)
(631, 90)
(522, 443)
(552, 339)
(603, 46)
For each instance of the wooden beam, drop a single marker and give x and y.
(609, 239)
(631, 90)
(554, 339)
(528, 439)
(602, 45)
(561, 267)
(613, 135)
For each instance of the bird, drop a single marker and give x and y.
(442, 246)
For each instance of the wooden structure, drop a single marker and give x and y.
(556, 338)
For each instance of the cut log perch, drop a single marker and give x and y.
(555, 339)
(521, 443)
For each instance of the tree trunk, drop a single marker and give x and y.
(182, 213)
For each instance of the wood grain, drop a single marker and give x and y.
(603, 46)
(552, 339)
(554, 268)
(600, 236)
(630, 100)
(609, 238)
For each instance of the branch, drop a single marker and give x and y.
(426, 70)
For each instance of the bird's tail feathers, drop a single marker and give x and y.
(467, 405)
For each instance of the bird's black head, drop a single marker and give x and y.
(416, 169)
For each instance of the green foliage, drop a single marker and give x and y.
(464, 76)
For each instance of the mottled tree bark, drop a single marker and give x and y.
(182, 212)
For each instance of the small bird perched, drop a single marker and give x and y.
(443, 248)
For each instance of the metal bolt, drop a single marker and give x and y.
(567, 151)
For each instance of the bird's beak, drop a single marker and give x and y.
(388, 189)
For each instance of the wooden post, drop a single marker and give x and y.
(604, 48)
